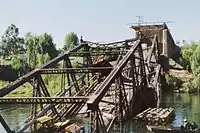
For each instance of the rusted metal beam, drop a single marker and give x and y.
(43, 100)
(113, 43)
(104, 86)
(20, 81)
(97, 53)
(46, 108)
(75, 70)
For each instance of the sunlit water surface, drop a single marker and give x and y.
(185, 105)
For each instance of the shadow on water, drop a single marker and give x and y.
(185, 105)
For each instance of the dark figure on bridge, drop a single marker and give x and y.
(81, 40)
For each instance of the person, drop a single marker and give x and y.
(187, 125)
(194, 125)
(81, 40)
(182, 129)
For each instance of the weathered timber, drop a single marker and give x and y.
(153, 115)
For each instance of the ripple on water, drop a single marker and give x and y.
(186, 106)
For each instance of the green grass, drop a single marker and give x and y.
(52, 82)
(172, 81)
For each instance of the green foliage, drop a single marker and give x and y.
(3, 83)
(24, 90)
(172, 62)
(172, 81)
(43, 58)
(113, 49)
(193, 86)
(191, 61)
(195, 65)
(53, 83)
(40, 49)
(71, 40)
(11, 43)
(32, 46)
(47, 46)
(187, 53)
(196, 62)
(18, 63)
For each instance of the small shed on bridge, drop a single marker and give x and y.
(166, 45)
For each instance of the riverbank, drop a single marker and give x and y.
(185, 78)
(52, 82)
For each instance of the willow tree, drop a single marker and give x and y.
(40, 49)
(71, 40)
(187, 53)
(47, 45)
(32, 46)
(196, 62)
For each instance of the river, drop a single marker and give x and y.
(185, 105)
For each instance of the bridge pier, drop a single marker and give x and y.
(144, 99)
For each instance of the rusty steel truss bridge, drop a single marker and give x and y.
(124, 75)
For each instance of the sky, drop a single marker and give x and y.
(99, 20)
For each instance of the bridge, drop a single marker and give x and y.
(124, 75)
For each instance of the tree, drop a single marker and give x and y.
(18, 63)
(40, 49)
(71, 40)
(187, 52)
(43, 58)
(196, 62)
(47, 46)
(11, 43)
(32, 46)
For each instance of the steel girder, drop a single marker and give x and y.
(139, 67)
(131, 57)
(42, 100)
(4, 91)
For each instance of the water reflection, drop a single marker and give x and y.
(14, 115)
(185, 105)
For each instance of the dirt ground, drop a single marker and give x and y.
(184, 75)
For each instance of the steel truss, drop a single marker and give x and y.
(43, 100)
(138, 67)
(88, 84)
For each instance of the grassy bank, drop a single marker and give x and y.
(180, 80)
(52, 82)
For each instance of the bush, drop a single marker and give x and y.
(172, 81)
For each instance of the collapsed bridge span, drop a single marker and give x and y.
(119, 78)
